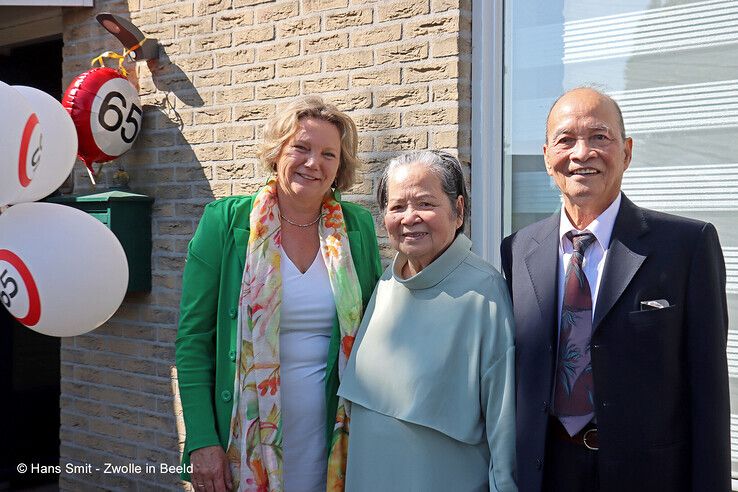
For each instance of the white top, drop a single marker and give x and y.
(305, 325)
(594, 256)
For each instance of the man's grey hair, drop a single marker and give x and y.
(442, 164)
(612, 101)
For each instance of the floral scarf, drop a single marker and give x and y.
(255, 443)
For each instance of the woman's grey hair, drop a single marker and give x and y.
(442, 164)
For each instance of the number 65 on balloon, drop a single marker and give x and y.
(62, 272)
(106, 111)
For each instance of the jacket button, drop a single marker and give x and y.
(233, 313)
(539, 464)
(545, 407)
(232, 355)
(226, 395)
(596, 346)
(605, 404)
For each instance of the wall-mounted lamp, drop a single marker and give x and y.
(136, 43)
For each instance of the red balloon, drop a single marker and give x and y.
(106, 111)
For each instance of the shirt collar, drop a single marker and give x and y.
(601, 227)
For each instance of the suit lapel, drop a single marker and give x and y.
(241, 240)
(624, 257)
(541, 262)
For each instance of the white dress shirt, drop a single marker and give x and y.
(594, 256)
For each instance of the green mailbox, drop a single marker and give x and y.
(128, 215)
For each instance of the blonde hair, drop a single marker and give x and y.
(281, 127)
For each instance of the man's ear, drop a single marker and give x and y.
(545, 160)
(628, 148)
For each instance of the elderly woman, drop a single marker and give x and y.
(272, 296)
(431, 378)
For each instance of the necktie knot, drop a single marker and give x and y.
(580, 240)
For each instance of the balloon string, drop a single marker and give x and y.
(116, 56)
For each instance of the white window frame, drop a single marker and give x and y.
(487, 199)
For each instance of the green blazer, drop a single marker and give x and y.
(206, 340)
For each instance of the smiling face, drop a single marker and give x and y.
(419, 218)
(585, 152)
(308, 162)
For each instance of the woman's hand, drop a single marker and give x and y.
(210, 470)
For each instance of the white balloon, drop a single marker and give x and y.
(20, 144)
(62, 272)
(58, 146)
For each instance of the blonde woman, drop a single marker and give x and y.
(273, 292)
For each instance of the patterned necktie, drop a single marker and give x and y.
(574, 391)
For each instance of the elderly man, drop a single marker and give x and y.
(621, 327)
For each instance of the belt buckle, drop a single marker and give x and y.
(584, 439)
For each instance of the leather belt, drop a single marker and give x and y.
(587, 437)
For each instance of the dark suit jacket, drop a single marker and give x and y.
(660, 376)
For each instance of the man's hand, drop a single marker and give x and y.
(210, 470)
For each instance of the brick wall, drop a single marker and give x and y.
(400, 68)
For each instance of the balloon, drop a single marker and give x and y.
(106, 111)
(62, 272)
(59, 145)
(20, 144)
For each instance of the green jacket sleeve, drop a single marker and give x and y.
(196, 337)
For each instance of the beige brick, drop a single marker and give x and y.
(253, 73)
(249, 3)
(246, 188)
(230, 19)
(350, 18)
(174, 48)
(351, 101)
(377, 121)
(366, 143)
(195, 136)
(209, 116)
(253, 35)
(402, 97)
(403, 52)
(350, 60)
(376, 35)
(450, 92)
(433, 25)
(253, 112)
(277, 12)
(403, 141)
(298, 66)
(241, 56)
(326, 84)
(235, 95)
(329, 42)
(206, 7)
(233, 170)
(434, 116)
(430, 71)
(212, 42)
(403, 9)
(278, 90)
(195, 63)
(234, 133)
(279, 50)
(194, 26)
(175, 12)
(298, 27)
(445, 5)
(317, 5)
(246, 150)
(387, 76)
(213, 152)
(446, 139)
(450, 46)
(213, 79)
